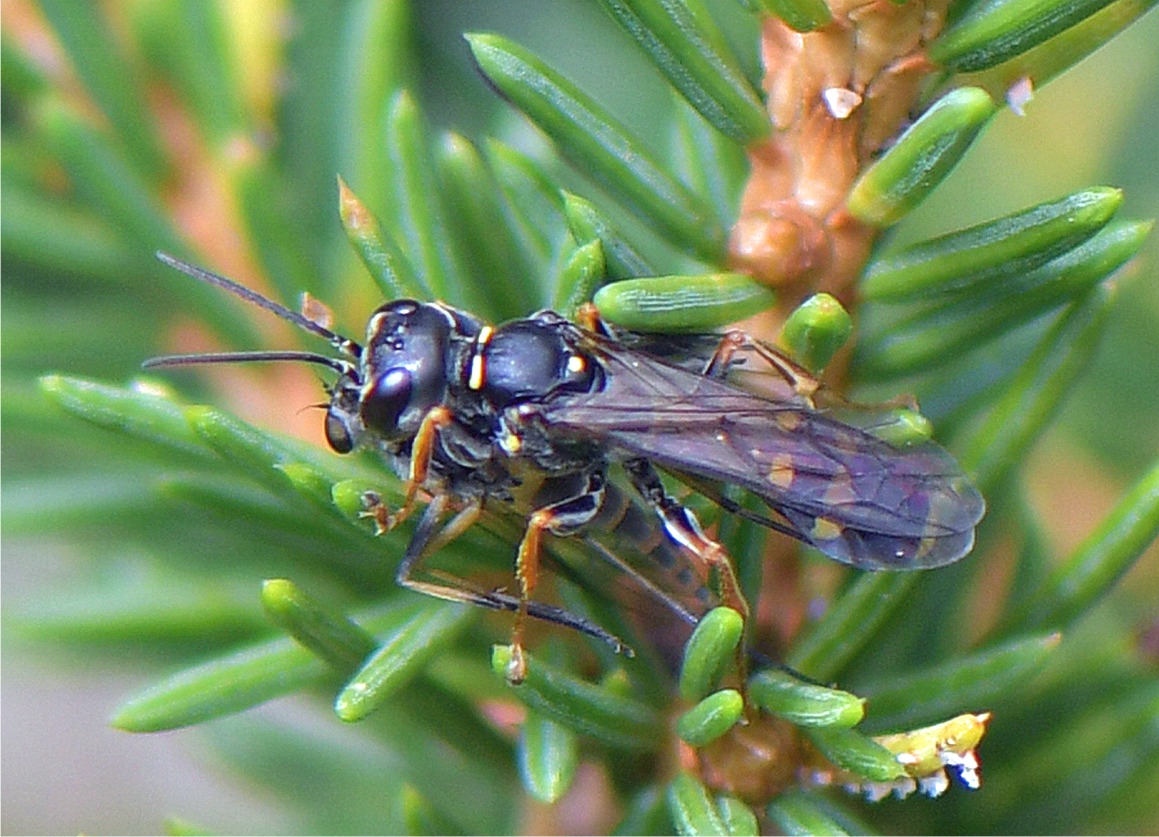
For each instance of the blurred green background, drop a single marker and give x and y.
(64, 770)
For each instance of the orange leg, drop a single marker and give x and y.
(428, 539)
(730, 343)
(809, 388)
(682, 527)
(560, 518)
(527, 574)
(804, 383)
(420, 462)
(709, 554)
(588, 316)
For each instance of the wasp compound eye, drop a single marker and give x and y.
(385, 400)
(338, 434)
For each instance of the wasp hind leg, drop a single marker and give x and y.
(683, 527)
(808, 388)
(804, 385)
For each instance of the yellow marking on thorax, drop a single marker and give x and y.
(478, 364)
(511, 443)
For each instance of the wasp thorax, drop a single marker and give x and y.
(531, 359)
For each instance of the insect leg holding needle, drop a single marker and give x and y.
(420, 463)
(683, 528)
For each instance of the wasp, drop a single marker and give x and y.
(536, 412)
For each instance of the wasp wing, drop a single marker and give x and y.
(851, 495)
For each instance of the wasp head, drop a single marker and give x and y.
(415, 354)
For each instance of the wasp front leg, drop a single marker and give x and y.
(588, 316)
(422, 449)
(804, 384)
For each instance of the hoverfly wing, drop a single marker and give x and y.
(851, 495)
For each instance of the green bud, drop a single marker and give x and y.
(816, 330)
(805, 704)
(328, 633)
(692, 808)
(739, 818)
(856, 753)
(927, 152)
(682, 303)
(581, 273)
(711, 718)
(309, 482)
(588, 224)
(710, 650)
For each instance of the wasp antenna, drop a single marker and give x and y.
(342, 366)
(343, 344)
